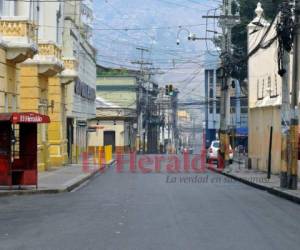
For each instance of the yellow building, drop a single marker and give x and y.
(42, 61)
(38, 93)
(16, 45)
(40, 85)
(58, 128)
(183, 115)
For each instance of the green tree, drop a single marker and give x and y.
(246, 10)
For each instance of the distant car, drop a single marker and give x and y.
(187, 149)
(212, 152)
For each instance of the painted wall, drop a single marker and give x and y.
(265, 88)
(120, 91)
(77, 48)
(260, 123)
(121, 129)
(9, 81)
(40, 84)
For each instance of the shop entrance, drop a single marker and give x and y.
(110, 139)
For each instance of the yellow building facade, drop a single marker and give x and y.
(16, 45)
(38, 93)
(31, 61)
(8, 83)
(57, 129)
(44, 52)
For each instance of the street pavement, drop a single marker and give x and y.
(136, 211)
(56, 180)
(258, 179)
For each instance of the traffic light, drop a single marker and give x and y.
(169, 90)
(233, 84)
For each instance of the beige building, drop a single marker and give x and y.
(265, 97)
(114, 126)
(117, 98)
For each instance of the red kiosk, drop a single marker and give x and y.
(18, 148)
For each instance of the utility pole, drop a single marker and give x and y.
(293, 168)
(227, 23)
(285, 120)
(194, 133)
(174, 103)
(140, 104)
(284, 49)
(288, 38)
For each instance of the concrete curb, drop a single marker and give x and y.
(54, 191)
(272, 190)
(31, 192)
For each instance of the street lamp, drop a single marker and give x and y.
(191, 36)
(183, 29)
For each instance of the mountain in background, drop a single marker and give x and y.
(181, 64)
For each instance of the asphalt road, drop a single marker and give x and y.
(126, 211)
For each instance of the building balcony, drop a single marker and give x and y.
(70, 72)
(17, 35)
(48, 58)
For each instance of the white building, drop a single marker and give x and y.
(265, 96)
(81, 92)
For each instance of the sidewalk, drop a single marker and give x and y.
(259, 180)
(57, 180)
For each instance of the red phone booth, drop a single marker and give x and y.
(18, 148)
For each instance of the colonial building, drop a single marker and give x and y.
(17, 43)
(48, 67)
(25, 31)
(79, 75)
(113, 125)
(265, 97)
(119, 88)
(39, 75)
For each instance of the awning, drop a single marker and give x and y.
(28, 117)
(241, 131)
